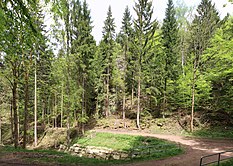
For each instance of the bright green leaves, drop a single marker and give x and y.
(219, 66)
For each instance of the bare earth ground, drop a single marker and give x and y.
(195, 148)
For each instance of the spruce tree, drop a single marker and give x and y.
(169, 40)
(144, 31)
(107, 53)
(125, 41)
(83, 47)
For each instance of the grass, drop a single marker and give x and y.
(227, 163)
(52, 156)
(118, 141)
(215, 133)
(122, 142)
(114, 141)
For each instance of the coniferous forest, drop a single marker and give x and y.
(183, 64)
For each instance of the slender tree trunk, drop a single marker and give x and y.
(123, 109)
(182, 54)
(164, 98)
(96, 107)
(125, 67)
(193, 97)
(132, 96)
(12, 120)
(68, 131)
(14, 106)
(35, 108)
(18, 123)
(26, 100)
(55, 110)
(14, 103)
(139, 94)
(107, 97)
(83, 105)
(43, 112)
(62, 105)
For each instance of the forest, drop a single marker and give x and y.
(182, 65)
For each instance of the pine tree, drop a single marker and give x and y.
(170, 39)
(144, 31)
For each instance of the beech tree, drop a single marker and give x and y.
(204, 25)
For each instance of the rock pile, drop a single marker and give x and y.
(96, 152)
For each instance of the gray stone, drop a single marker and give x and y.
(116, 157)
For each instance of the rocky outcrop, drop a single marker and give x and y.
(95, 152)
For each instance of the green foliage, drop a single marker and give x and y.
(219, 59)
(170, 38)
(184, 94)
(107, 58)
(169, 56)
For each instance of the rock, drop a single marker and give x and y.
(160, 124)
(102, 155)
(116, 156)
(124, 155)
(77, 149)
(96, 152)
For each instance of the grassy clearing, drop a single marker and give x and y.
(114, 141)
(118, 141)
(129, 143)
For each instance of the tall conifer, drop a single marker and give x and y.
(169, 41)
(144, 31)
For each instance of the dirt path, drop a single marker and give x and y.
(195, 148)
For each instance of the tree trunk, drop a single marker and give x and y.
(62, 105)
(164, 97)
(123, 110)
(139, 94)
(14, 104)
(12, 121)
(193, 97)
(107, 97)
(55, 110)
(132, 96)
(68, 131)
(43, 112)
(26, 100)
(35, 108)
(83, 105)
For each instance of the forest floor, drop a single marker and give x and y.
(195, 148)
